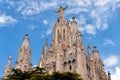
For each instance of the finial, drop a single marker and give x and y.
(26, 34)
(95, 48)
(73, 18)
(88, 48)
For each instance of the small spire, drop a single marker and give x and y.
(43, 49)
(46, 44)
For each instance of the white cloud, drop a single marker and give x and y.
(111, 61)
(32, 27)
(76, 10)
(49, 31)
(116, 74)
(109, 42)
(90, 29)
(45, 22)
(97, 12)
(6, 20)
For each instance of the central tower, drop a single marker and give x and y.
(67, 52)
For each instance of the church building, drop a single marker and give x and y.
(66, 53)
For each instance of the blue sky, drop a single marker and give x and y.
(98, 20)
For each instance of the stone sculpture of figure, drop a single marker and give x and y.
(61, 11)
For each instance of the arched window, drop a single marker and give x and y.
(70, 67)
(64, 34)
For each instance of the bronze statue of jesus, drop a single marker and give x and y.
(61, 11)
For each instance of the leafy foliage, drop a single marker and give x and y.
(40, 74)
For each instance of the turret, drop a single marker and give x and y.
(24, 55)
(61, 33)
(74, 27)
(8, 69)
(75, 35)
(95, 53)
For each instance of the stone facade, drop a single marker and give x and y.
(67, 53)
(24, 56)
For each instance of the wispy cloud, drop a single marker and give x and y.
(109, 42)
(32, 27)
(32, 7)
(45, 22)
(111, 60)
(50, 30)
(6, 20)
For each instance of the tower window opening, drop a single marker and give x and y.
(70, 67)
(64, 34)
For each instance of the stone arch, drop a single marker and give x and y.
(69, 65)
(73, 65)
(65, 66)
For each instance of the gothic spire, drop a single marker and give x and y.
(8, 69)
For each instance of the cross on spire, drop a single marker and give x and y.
(60, 11)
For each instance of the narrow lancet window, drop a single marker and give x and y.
(64, 34)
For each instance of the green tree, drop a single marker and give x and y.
(40, 74)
